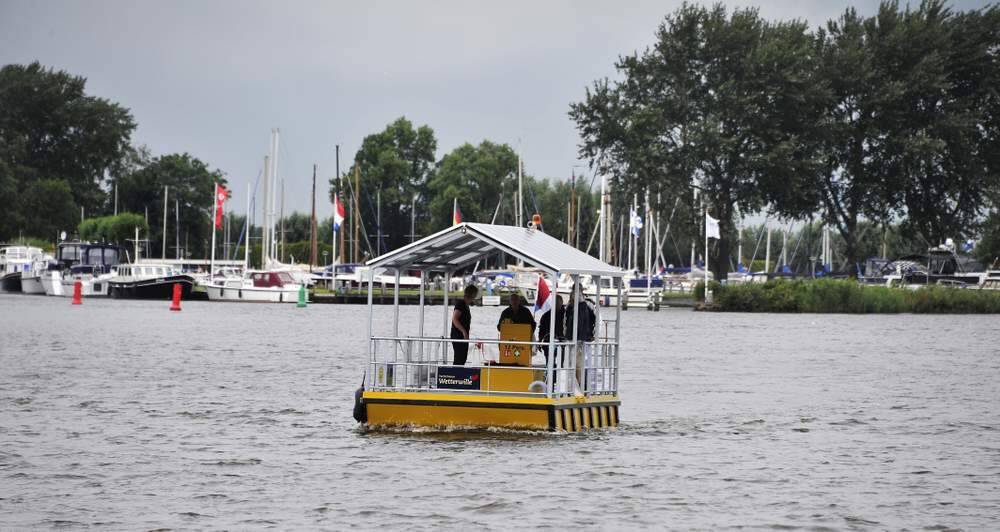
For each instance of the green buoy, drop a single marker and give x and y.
(302, 296)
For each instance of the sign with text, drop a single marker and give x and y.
(458, 378)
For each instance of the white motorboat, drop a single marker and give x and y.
(96, 267)
(14, 261)
(31, 279)
(255, 286)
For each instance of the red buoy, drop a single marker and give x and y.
(78, 293)
(176, 305)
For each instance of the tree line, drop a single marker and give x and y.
(888, 119)
(67, 161)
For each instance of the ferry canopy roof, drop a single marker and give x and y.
(463, 244)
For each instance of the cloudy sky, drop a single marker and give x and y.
(212, 78)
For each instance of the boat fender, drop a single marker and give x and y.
(360, 410)
(536, 387)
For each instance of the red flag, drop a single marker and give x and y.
(542, 300)
(221, 195)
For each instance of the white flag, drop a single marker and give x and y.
(635, 223)
(711, 227)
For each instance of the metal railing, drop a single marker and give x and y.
(413, 364)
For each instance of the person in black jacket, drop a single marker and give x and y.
(585, 324)
(579, 315)
(461, 320)
(517, 313)
(545, 326)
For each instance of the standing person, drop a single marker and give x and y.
(461, 321)
(579, 315)
(517, 313)
(546, 327)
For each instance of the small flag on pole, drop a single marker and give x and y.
(711, 227)
(221, 195)
(457, 215)
(338, 213)
(635, 222)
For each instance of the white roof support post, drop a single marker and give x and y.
(551, 359)
(447, 330)
(395, 316)
(602, 349)
(618, 331)
(575, 355)
(420, 330)
(371, 309)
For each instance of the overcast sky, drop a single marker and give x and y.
(212, 78)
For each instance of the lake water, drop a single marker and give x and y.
(122, 415)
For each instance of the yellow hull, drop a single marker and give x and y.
(446, 409)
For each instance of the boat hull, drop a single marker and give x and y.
(11, 282)
(403, 409)
(161, 288)
(89, 286)
(252, 295)
(32, 285)
(52, 283)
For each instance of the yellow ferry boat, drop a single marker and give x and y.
(411, 379)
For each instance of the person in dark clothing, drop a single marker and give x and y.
(461, 321)
(517, 313)
(579, 315)
(545, 326)
(585, 325)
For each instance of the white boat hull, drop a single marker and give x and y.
(32, 285)
(253, 294)
(89, 286)
(52, 283)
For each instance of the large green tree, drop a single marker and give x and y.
(191, 182)
(50, 129)
(476, 176)
(722, 102)
(394, 165)
(946, 116)
(910, 122)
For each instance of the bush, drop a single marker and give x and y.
(843, 296)
(113, 229)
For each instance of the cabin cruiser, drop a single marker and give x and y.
(941, 266)
(67, 256)
(31, 279)
(95, 268)
(14, 261)
(149, 280)
(256, 286)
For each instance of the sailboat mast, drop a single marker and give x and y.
(520, 199)
(265, 231)
(246, 243)
(281, 218)
(357, 213)
(602, 247)
(274, 195)
(177, 229)
(166, 193)
(313, 244)
(211, 264)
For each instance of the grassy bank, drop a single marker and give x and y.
(833, 296)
